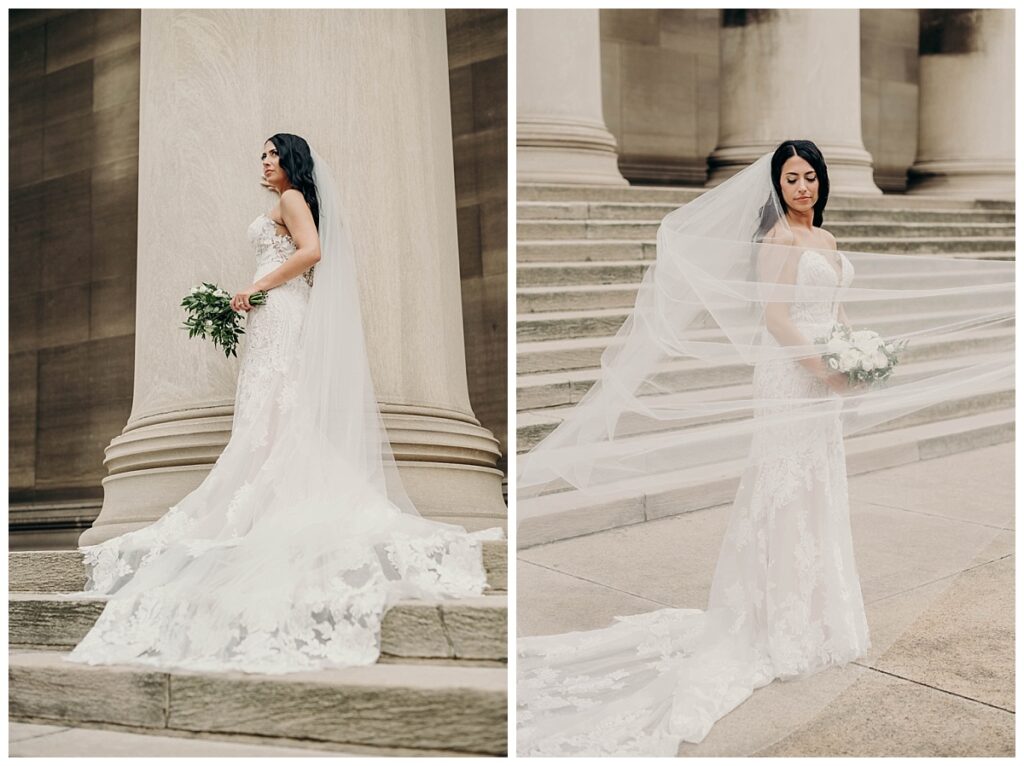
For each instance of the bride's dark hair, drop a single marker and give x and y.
(297, 163)
(809, 151)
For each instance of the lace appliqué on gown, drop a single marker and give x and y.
(257, 569)
(785, 598)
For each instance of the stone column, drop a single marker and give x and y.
(965, 145)
(368, 90)
(561, 135)
(788, 74)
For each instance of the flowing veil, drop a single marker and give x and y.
(671, 423)
(288, 554)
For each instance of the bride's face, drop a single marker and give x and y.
(799, 183)
(272, 171)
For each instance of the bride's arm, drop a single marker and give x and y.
(841, 313)
(299, 221)
(777, 263)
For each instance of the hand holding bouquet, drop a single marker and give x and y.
(210, 314)
(862, 355)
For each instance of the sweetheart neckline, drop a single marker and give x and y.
(841, 272)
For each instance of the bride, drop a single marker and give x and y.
(288, 554)
(744, 274)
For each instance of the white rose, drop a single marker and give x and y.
(208, 323)
(867, 364)
(833, 363)
(848, 360)
(889, 347)
(863, 335)
(880, 359)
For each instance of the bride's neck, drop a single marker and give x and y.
(800, 220)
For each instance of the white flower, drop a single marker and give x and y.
(861, 336)
(193, 291)
(868, 364)
(848, 360)
(833, 363)
(880, 359)
(837, 345)
(208, 323)
(889, 347)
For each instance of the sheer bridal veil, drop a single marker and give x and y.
(670, 423)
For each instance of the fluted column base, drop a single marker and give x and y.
(850, 170)
(562, 151)
(446, 459)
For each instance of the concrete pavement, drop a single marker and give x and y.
(934, 546)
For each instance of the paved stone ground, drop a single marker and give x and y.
(39, 740)
(935, 551)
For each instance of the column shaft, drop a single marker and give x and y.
(369, 91)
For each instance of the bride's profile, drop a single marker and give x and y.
(290, 551)
(745, 274)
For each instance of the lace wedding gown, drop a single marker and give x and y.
(255, 570)
(785, 598)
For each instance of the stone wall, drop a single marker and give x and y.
(889, 67)
(478, 76)
(73, 184)
(660, 89)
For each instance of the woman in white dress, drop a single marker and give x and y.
(288, 554)
(785, 599)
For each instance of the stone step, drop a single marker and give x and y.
(530, 300)
(578, 353)
(64, 571)
(655, 211)
(586, 323)
(680, 195)
(534, 425)
(447, 629)
(878, 272)
(879, 275)
(843, 231)
(421, 707)
(627, 503)
(548, 250)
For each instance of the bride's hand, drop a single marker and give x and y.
(267, 185)
(840, 383)
(241, 300)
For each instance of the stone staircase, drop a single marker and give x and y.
(582, 252)
(438, 689)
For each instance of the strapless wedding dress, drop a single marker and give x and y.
(785, 599)
(255, 570)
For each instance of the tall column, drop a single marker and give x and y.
(561, 136)
(965, 143)
(792, 74)
(369, 91)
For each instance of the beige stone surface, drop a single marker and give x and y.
(424, 707)
(420, 706)
(39, 740)
(938, 578)
(561, 133)
(965, 143)
(42, 686)
(885, 716)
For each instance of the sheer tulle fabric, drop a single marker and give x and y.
(287, 555)
(785, 599)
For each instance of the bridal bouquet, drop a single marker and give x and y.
(862, 355)
(210, 314)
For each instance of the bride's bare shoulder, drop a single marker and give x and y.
(829, 238)
(779, 235)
